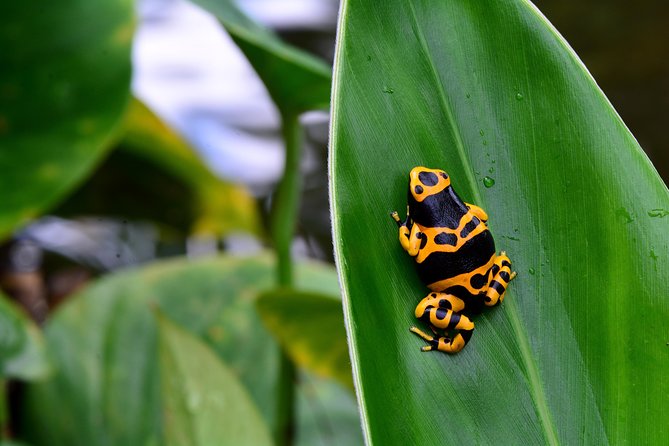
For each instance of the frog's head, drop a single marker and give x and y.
(424, 182)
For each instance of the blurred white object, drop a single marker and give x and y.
(189, 71)
(101, 243)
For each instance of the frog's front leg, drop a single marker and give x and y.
(442, 311)
(478, 212)
(410, 235)
(500, 277)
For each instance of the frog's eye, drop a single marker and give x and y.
(428, 178)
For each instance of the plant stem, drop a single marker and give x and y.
(4, 410)
(284, 216)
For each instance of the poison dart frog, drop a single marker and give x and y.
(455, 257)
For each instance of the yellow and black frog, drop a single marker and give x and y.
(455, 257)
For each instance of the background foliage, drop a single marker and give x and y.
(161, 352)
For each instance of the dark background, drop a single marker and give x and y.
(625, 45)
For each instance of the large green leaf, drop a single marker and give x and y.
(221, 207)
(154, 175)
(203, 401)
(310, 328)
(490, 92)
(296, 80)
(22, 352)
(63, 86)
(106, 389)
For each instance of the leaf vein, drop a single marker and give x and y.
(446, 105)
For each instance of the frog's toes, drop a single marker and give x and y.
(395, 216)
(433, 343)
(513, 274)
(421, 334)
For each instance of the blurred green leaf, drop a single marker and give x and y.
(63, 88)
(297, 81)
(22, 352)
(310, 327)
(221, 207)
(203, 401)
(154, 175)
(327, 413)
(577, 354)
(104, 345)
(129, 187)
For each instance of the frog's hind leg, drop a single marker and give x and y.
(443, 343)
(501, 275)
(439, 300)
(442, 311)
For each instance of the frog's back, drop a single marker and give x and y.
(439, 269)
(457, 249)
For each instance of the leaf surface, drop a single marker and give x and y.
(490, 92)
(63, 89)
(310, 327)
(203, 401)
(22, 351)
(106, 388)
(220, 207)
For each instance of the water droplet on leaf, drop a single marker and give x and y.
(193, 402)
(659, 213)
(623, 213)
(519, 97)
(488, 182)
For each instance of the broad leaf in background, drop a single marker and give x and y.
(103, 342)
(310, 327)
(22, 352)
(64, 89)
(154, 175)
(221, 207)
(203, 401)
(490, 92)
(296, 81)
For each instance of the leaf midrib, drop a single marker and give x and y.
(536, 387)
